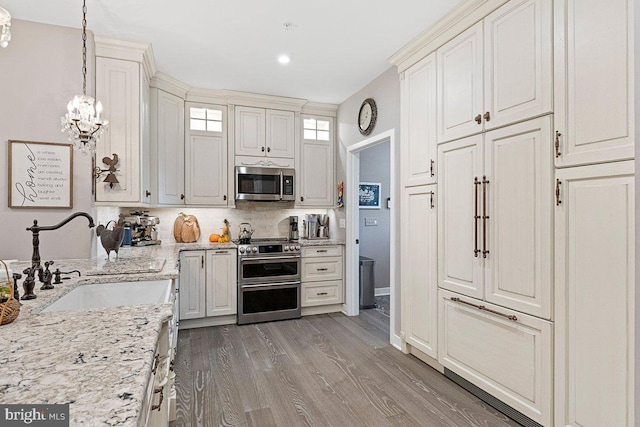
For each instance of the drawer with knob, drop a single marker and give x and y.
(321, 293)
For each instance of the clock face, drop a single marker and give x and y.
(367, 116)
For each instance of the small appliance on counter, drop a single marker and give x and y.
(317, 226)
(293, 228)
(143, 228)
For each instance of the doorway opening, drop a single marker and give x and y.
(358, 168)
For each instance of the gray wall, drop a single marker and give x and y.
(385, 90)
(374, 240)
(40, 71)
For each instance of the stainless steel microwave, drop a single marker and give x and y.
(265, 184)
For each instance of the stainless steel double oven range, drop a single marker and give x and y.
(268, 281)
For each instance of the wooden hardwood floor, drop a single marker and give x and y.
(326, 370)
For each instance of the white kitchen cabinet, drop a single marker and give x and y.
(495, 229)
(419, 275)
(459, 261)
(594, 81)
(316, 173)
(208, 283)
(322, 275)
(418, 149)
(260, 132)
(460, 103)
(506, 353)
(595, 294)
(123, 89)
(497, 72)
(221, 282)
(168, 133)
(192, 285)
(206, 162)
(280, 134)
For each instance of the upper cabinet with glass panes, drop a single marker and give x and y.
(316, 129)
(264, 133)
(205, 119)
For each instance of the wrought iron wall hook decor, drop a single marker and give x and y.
(111, 178)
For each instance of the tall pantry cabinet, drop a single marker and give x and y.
(594, 213)
(520, 121)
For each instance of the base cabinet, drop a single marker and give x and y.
(595, 294)
(208, 284)
(508, 357)
(322, 276)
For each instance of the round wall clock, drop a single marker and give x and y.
(367, 116)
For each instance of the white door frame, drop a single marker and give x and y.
(353, 229)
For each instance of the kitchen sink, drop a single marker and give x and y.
(117, 294)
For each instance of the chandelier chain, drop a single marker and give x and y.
(84, 47)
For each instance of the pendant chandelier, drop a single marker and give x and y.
(82, 121)
(5, 33)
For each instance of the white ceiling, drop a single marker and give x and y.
(336, 46)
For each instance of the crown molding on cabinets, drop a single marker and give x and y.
(263, 101)
(128, 51)
(320, 109)
(459, 19)
(169, 84)
(207, 96)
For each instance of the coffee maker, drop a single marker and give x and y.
(143, 228)
(317, 226)
(293, 228)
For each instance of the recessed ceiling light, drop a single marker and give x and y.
(284, 59)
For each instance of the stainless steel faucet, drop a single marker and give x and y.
(30, 282)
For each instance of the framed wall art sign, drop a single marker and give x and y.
(369, 195)
(40, 175)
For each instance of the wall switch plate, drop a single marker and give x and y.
(368, 222)
(343, 223)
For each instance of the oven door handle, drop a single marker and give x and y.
(270, 285)
(290, 257)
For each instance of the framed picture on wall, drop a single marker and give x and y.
(369, 195)
(40, 175)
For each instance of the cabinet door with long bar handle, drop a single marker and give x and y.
(495, 235)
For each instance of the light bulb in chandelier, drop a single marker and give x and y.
(5, 22)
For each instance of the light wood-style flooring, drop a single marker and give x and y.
(326, 370)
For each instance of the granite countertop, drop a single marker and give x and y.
(99, 361)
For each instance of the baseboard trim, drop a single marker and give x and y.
(489, 399)
(382, 291)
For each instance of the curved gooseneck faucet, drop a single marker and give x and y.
(29, 282)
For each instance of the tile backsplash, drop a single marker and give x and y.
(267, 219)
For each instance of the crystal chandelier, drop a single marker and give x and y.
(82, 121)
(5, 21)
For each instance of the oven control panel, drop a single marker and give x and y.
(269, 249)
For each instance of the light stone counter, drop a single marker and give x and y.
(99, 361)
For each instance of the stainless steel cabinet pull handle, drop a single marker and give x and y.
(483, 308)
(478, 118)
(432, 164)
(485, 217)
(558, 184)
(558, 135)
(476, 217)
(487, 116)
(161, 391)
